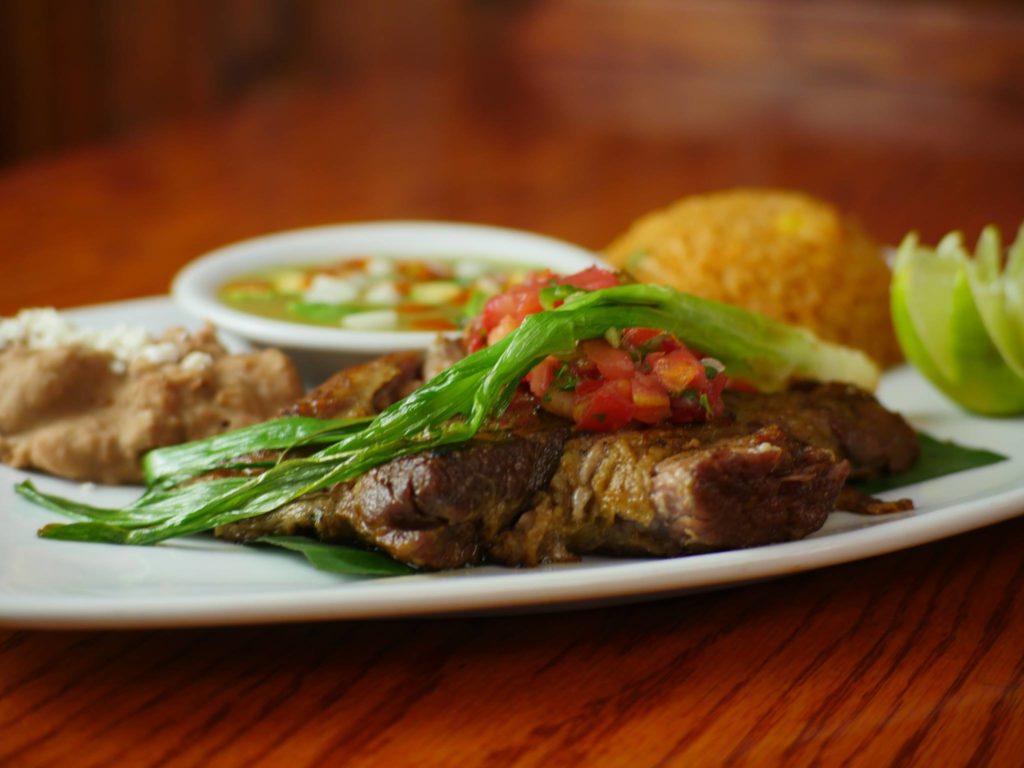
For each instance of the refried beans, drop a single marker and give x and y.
(80, 413)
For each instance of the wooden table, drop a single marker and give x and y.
(909, 659)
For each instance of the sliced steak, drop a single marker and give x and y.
(442, 354)
(362, 390)
(838, 417)
(659, 493)
(436, 509)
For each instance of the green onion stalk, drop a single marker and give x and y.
(450, 408)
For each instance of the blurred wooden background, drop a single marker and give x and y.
(941, 73)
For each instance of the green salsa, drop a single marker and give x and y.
(372, 293)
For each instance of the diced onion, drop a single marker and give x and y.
(331, 290)
(435, 292)
(373, 320)
(290, 281)
(382, 293)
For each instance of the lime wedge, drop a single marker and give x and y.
(942, 332)
(926, 278)
(997, 295)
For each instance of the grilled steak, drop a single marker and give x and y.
(436, 509)
(771, 470)
(362, 390)
(839, 417)
(659, 492)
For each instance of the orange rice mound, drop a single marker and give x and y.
(784, 254)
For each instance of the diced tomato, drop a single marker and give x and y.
(715, 388)
(688, 410)
(717, 385)
(541, 375)
(637, 337)
(516, 304)
(591, 279)
(648, 392)
(504, 327)
(650, 400)
(609, 408)
(652, 359)
(611, 363)
(587, 386)
(671, 344)
(680, 370)
(559, 402)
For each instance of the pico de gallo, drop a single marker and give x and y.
(632, 375)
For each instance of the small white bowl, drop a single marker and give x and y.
(319, 350)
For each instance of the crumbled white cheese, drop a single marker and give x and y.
(196, 361)
(331, 290)
(158, 353)
(45, 328)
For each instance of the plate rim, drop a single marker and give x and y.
(370, 599)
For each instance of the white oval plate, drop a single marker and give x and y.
(201, 581)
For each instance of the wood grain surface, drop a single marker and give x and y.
(910, 659)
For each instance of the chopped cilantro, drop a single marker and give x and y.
(565, 379)
(653, 344)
